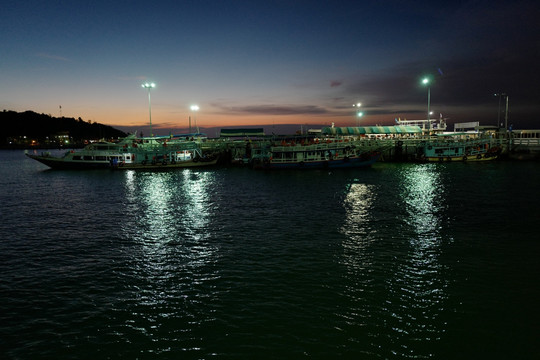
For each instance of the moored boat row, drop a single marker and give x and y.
(320, 151)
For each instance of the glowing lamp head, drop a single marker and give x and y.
(194, 107)
(425, 81)
(148, 85)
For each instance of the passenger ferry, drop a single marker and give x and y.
(170, 160)
(129, 152)
(451, 149)
(98, 155)
(319, 155)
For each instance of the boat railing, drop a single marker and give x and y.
(466, 142)
(526, 141)
(332, 145)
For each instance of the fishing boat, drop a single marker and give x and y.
(452, 149)
(327, 154)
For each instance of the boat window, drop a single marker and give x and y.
(87, 157)
(77, 157)
(101, 158)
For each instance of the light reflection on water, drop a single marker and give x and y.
(400, 261)
(358, 203)
(391, 253)
(422, 192)
(169, 215)
(419, 283)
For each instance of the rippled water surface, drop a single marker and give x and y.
(397, 261)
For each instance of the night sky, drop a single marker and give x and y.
(266, 63)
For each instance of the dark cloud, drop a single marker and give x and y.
(53, 57)
(272, 109)
(478, 49)
(465, 84)
(335, 83)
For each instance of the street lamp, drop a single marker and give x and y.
(425, 81)
(195, 108)
(500, 95)
(359, 114)
(149, 86)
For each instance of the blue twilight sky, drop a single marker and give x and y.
(267, 63)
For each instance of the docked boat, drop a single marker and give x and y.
(170, 160)
(328, 154)
(451, 149)
(129, 152)
(99, 155)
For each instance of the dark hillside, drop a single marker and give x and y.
(23, 128)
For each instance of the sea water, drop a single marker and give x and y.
(393, 261)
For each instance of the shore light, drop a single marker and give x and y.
(499, 124)
(359, 114)
(149, 86)
(426, 81)
(195, 108)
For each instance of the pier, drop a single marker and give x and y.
(406, 142)
(398, 149)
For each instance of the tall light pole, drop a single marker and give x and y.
(149, 86)
(359, 114)
(500, 95)
(425, 81)
(195, 108)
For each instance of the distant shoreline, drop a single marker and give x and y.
(23, 147)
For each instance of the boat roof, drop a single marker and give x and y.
(160, 137)
(382, 130)
(242, 132)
